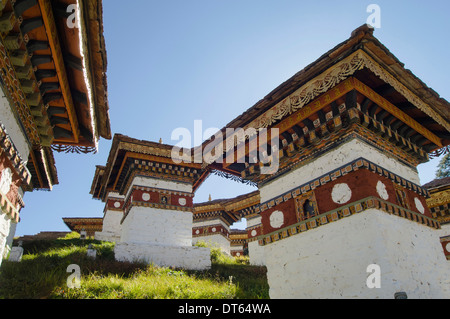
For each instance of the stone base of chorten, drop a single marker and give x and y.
(186, 257)
(107, 236)
(347, 258)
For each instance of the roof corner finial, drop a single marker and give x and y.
(160, 140)
(365, 28)
(210, 197)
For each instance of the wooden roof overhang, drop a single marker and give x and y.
(231, 210)
(358, 81)
(97, 181)
(88, 224)
(238, 237)
(55, 76)
(214, 213)
(439, 200)
(129, 157)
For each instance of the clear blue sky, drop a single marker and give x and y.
(173, 62)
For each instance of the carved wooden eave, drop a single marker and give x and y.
(231, 209)
(96, 51)
(238, 238)
(357, 90)
(361, 39)
(90, 225)
(439, 199)
(129, 157)
(387, 98)
(55, 78)
(96, 182)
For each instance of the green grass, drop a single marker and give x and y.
(42, 273)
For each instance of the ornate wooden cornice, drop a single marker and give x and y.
(45, 64)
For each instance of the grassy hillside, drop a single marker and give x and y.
(43, 273)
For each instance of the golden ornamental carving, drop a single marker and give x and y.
(329, 79)
(438, 199)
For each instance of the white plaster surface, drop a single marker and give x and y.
(115, 195)
(332, 160)
(160, 236)
(255, 251)
(382, 191)
(5, 181)
(218, 239)
(341, 193)
(210, 222)
(419, 205)
(256, 254)
(195, 258)
(157, 226)
(10, 238)
(253, 221)
(276, 219)
(111, 229)
(13, 128)
(159, 183)
(5, 224)
(215, 240)
(332, 260)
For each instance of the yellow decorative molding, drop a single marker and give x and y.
(329, 79)
(8, 208)
(439, 198)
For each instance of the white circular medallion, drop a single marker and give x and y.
(214, 229)
(182, 201)
(447, 247)
(254, 232)
(276, 219)
(341, 193)
(146, 197)
(238, 254)
(197, 232)
(5, 181)
(419, 205)
(381, 190)
(116, 204)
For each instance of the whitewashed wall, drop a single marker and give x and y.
(157, 226)
(331, 261)
(18, 137)
(111, 229)
(10, 238)
(160, 236)
(13, 128)
(159, 183)
(255, 251)
(216, 240)
(196, 258)
(334, 159)
(256, 254)
(5, 224)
